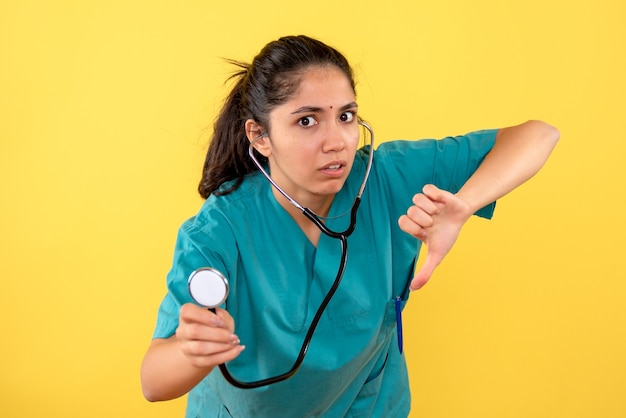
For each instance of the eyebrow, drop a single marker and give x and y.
(316, 109)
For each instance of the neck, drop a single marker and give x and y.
(320, 206)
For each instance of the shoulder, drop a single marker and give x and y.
(399, 152)
(219, 213)
(247, 195)
(213, 235)
(476, 139)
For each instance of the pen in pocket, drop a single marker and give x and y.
(399, 321)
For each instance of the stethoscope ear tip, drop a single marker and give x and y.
(208, 287)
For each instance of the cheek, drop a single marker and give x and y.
(300, 148)
(293, 155)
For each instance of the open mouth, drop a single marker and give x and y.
(334, 165)
(334, 169)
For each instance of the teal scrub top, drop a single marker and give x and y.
(278, 279)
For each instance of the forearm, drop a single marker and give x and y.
(166, 373)
(518, 154)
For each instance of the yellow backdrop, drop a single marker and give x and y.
(104, 108)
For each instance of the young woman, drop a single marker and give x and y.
(296, 104)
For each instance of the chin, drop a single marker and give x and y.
(331, 190)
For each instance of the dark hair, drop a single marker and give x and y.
(271, 79)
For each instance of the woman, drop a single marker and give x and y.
(296, 104)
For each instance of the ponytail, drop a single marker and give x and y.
(226, 158)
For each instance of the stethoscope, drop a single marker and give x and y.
(209, 287)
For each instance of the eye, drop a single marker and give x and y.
(307, 121)
(347, 116)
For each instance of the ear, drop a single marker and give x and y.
(253, 131)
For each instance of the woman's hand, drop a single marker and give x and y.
(436, 218)
(206, 339)
(173, 366)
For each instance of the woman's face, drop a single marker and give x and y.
(313, 137)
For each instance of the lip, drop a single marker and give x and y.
(334, 172)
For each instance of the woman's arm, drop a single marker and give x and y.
(518, 154)
(437, 216)
(173, 366)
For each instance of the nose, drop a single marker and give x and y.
(334, 138)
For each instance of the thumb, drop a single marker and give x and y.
(426, 271)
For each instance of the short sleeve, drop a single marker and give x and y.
(189, 255)
(447, 163)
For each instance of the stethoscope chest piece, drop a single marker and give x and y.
(208, 287)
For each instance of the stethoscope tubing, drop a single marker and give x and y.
(307, 339)
(343, 239)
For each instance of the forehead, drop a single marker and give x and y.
(322, 85)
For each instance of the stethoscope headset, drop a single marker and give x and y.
(209, 287)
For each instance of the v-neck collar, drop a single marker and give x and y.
(338, 218)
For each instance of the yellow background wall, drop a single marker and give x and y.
(103, 110)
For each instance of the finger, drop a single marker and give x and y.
(202, 332)
(435, 193)
(407, 225)
(227, 320)
(228, 355)
(208, 342)
(425, 203)
(209, 355)
(419, 216)
(426, 271)
(190, 313)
